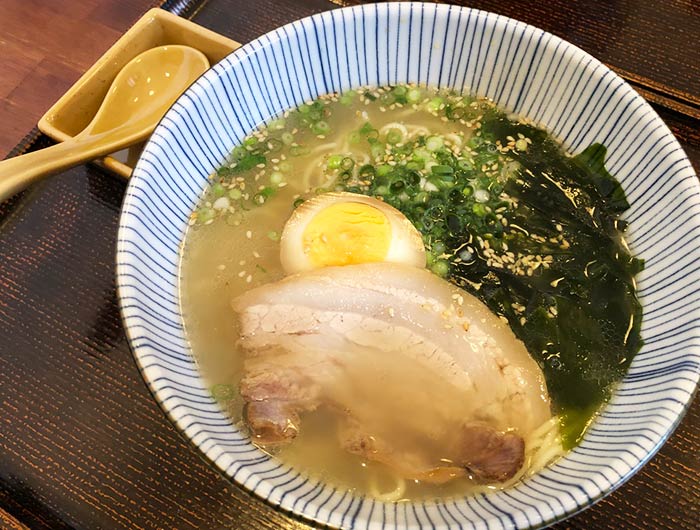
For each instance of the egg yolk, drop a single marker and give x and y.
(347, 233)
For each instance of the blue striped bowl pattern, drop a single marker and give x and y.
(524, 69)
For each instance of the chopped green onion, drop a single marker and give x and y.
(287, 138)
(205, 214)
(438, 183)
(465, 165)
(442, 170)
(422, 155)
(435, 104)
(369, 95)
(455, 113)
(370, 132)
(235, 194)
(276, 177)
(218, 190)
(397, 186)
(433, 143)
(274, 236)
(249, 161)
(334, 161)
(298, 150)
(440, 267)
(386, 99)
(297, 202)
(263, 195)
(436, 211)
(414, 95)
(347, 163)
(383, 170)
(366, 171)
(274, 145)
(376, 150)
(421, 197)
(456, 196)
(394, 136)
(238, 152)
(348, 97)
(454, 224)
(320, 128)
(479, 209)
(345, 176)
(366, 128)
(475, 141)
(438, 248)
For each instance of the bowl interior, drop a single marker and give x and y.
(523, 69)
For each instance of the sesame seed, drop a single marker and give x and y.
(249, 234)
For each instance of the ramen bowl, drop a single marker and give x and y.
(523, 69)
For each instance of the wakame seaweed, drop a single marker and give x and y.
(582, 317)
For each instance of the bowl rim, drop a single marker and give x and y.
(230, 61)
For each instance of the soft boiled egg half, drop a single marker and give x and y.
(335, 229)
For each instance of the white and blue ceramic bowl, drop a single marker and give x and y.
(522, 68)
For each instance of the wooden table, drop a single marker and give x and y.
(83, 445)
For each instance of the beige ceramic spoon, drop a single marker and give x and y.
(139, 96)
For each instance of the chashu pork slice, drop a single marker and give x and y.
(422, 375)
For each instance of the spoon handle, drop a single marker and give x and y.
(19, 172)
